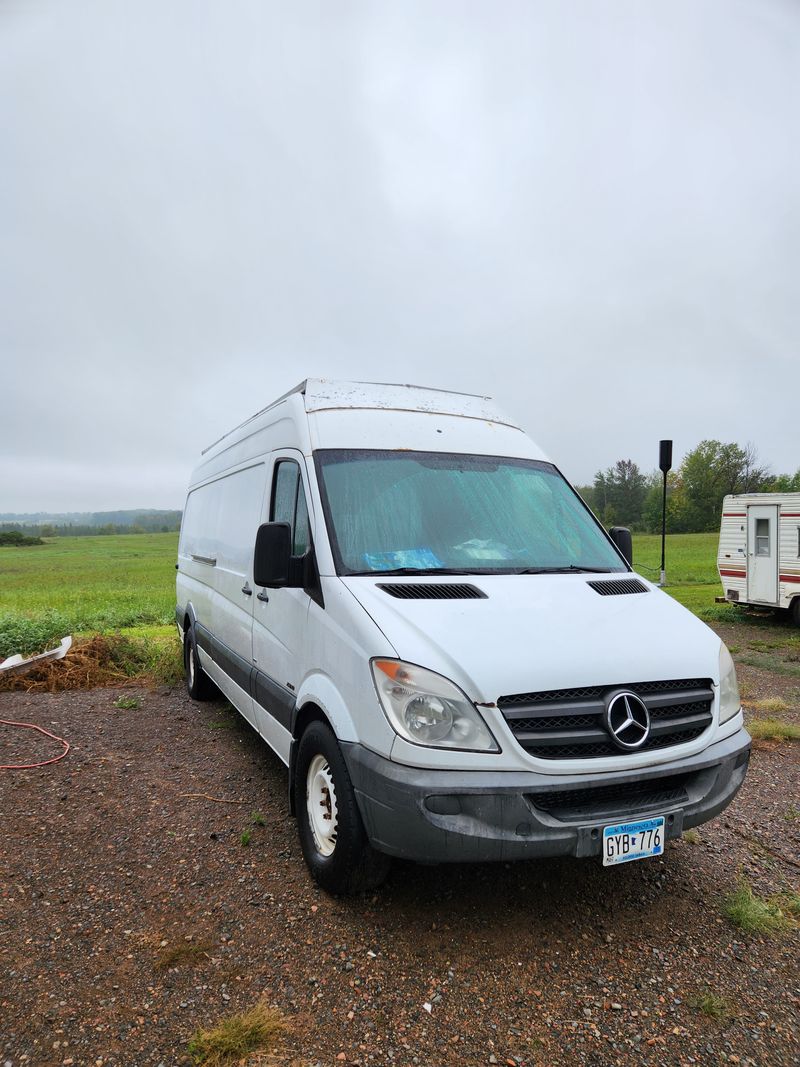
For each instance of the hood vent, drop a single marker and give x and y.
(442, 591)
(618, 587)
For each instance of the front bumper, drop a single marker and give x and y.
(466, 816)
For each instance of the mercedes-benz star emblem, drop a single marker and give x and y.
(627, 719)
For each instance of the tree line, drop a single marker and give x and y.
(624, 495)
(84, 530)
(90, 524)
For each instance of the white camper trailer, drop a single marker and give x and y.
(759, 550)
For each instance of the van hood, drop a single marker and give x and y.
(531, 633)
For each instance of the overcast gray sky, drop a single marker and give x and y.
(590, 211)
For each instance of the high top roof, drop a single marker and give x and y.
(328, 394)
(321, 394)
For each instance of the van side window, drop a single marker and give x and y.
(284, 493)
(289, 504)
(301, 537)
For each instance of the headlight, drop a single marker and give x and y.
(427, 709)
(729, 700)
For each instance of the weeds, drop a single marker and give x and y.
(710, 1005)
(30, 636)
(792, 814)
(691, 836)
(245, 837)
(230, 720)
(773, 730)
(752, 913)
(257, 819)
(185, 952)
(776, 664)
(789, 903)
(235, 1037)
(772, 705)
(158, 661)
(127, 703)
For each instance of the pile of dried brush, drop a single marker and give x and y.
(87, 664)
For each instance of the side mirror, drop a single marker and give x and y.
(621, 536)
(272, 554)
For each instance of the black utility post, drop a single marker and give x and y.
(665, 463)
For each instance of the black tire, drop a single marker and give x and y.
(794, 611)
(198, 685)
(352, 865)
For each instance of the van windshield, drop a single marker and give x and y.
(438, 513)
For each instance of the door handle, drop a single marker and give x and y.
(247, 590)
(262, 596)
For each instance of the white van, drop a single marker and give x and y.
(411, 605)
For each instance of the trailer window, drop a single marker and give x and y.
(762, 537)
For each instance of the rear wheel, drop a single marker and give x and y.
(198, 685)
(794, 611)
(332, 836)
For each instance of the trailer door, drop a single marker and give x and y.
(762, 553)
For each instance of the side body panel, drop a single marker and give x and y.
(732, 553)
(340, 642)
(215, 570)
(789, 561)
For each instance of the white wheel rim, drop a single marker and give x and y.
(323, 815)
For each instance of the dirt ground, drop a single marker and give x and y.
(131, 912)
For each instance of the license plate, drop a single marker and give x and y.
(633, 841)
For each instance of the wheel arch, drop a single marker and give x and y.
(318, 701)
(189, 617)
(318, 691)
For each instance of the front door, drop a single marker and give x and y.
(279, 615)
(762, 553)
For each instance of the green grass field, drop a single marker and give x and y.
(85, 585)
(127, 582)
(691, 567)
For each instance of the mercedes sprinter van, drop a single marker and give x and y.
(408, 601)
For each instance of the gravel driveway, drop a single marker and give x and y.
(108, 866)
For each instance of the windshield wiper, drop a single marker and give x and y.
(480, 572)
(571, 569)
(408, 570)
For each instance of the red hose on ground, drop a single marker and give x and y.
(33, 766)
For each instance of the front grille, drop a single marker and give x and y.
(569, 723)
(621, 798)
(432, 591)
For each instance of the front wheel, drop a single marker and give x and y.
(332, 835)
(794, 611)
